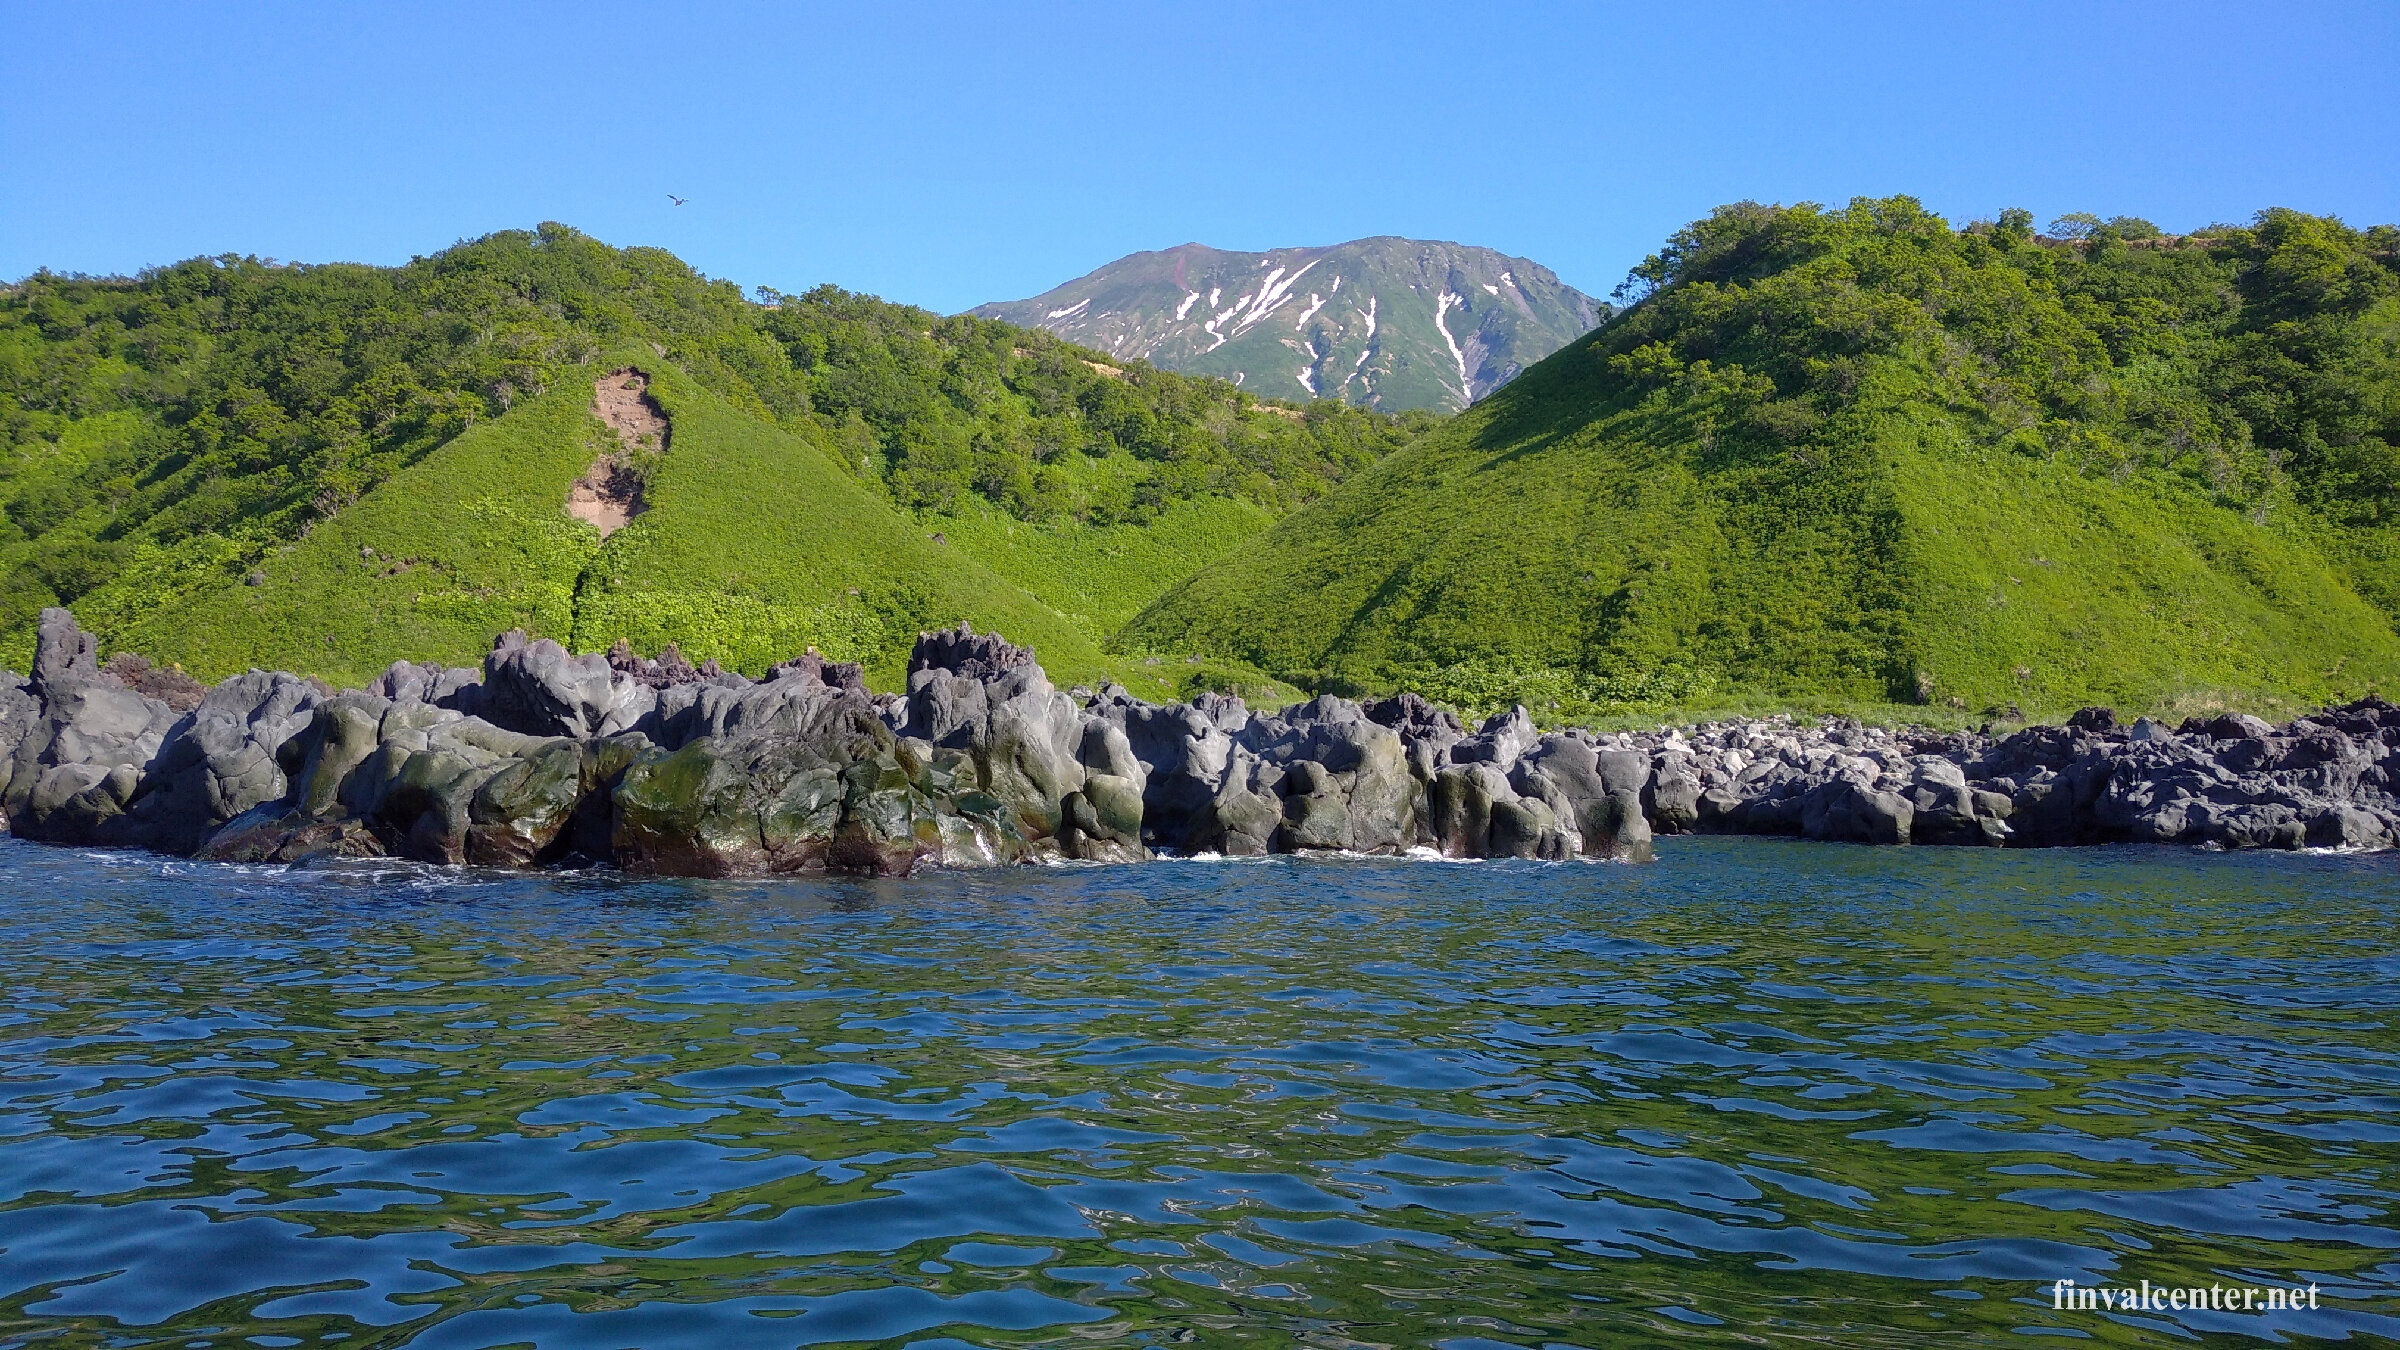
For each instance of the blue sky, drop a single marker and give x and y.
(950, 154)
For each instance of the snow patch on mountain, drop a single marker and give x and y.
(1272, 296)
(1466, 381)
(1179, 308)
(1358, 368)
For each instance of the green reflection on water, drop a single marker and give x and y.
(1757, 1093)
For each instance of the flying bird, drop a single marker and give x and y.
(675, 199)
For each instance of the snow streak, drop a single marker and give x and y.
(1272, 295)
(1358, 367)
(1465, 382)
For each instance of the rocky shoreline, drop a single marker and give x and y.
(664, 768)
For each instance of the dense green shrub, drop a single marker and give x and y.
(1860, 457)
(952, 407)
(171, 428)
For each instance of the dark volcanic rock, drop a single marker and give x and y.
(962, 652)
(665, 767)
(537, 688)
(810, 666)
(64, 656)
(2232, 782)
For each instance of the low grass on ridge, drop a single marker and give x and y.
(470, 541)
(1857, 460)
(754, 545)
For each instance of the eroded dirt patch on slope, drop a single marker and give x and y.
(610, 493)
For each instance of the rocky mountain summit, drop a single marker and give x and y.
(1387, 323)
(662, 767)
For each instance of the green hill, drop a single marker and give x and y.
(1826, 459)
(756, 544)
(1856, 457)
(753, 546)
(163, 437)
(470, 541)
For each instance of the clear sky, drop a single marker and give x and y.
(947, 154)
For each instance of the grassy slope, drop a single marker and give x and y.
(1531, 531)
(1559, 524)
(2136, 595)
(755, 545)
(162, 436)
(470, 541)
(1101, 575)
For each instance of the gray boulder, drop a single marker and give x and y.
(1103, 818)
(1502, 738)
(2342, 826)
(456, 687)
(1185, 755)
(237, 751)
(534, 687)
(64, 656)
(383, 778)
(1850, 811)
(82, 761)
(1594, 795)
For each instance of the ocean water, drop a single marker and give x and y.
(1758, 1093)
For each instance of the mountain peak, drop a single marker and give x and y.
(1386, 322)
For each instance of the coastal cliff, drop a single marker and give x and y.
(660, 767)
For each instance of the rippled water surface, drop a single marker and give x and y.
(1756, 1094)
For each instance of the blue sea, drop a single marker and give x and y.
(1757, 1093)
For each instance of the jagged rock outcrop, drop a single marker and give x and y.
(2235, 781)
(1059, 774)
(660, 766)
(84, 745)
(1383, 777)
(536, 687)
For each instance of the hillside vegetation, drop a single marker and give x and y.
(1835, 458)
(165, 436)
(1841, 459)
(754, 545)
